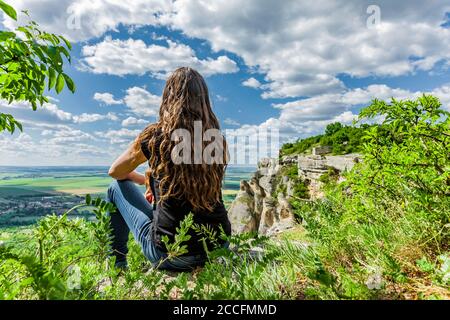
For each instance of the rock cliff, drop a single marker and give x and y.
(263, 202)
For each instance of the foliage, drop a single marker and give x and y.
(177, 248)
(298, 184)
(290, 171)
(30, 58)
(342, 139)
(39, 263)
(331, 176)
(386, 224)
(409, 154)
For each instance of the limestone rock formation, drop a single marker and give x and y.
(260, 206)
(255, 208)
(312, 167)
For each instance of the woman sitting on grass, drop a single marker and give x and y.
(178, 187)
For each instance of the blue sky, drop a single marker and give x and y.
(293, 66)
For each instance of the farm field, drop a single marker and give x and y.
(28, 193)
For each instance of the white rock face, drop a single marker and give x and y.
(256, 209)
(242, 211)
(312, 167)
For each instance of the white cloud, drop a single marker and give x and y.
(60, 114)
(125, 57)
(66, 135)
(93, 117)
(141, 102)
(298, 50)
(252, 83)
(132, 121)
(107, 98)
(61, 145)
(231, 122)
(51, 113)
(310, 116)
(81, 20)
(221, 98)
(122, 135)
(443, 93)
(325, 106)
(302, 47)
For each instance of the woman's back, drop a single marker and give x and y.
(171, 211)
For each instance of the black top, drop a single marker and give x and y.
(168, 214)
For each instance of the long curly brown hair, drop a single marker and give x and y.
(185, 99)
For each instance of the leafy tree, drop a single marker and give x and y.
(342, 139)
(332, 128)
(30, 59)
(409, 154)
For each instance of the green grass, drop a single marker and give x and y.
(12, 191)
(72, 185)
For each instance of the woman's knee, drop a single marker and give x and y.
(116, 185)
(111, 189)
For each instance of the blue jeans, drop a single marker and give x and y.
(134, 213)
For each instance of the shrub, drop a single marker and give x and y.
(394, 207)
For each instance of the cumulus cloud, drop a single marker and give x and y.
(252, 83)
(125, 57)
(310, 116)
(302, 47)
(132, 121)
(299, 50)
(66, 135)
(141, 102)
(51, 113)
(93, 117)
(443, 93)
(81, 20)
(61, 145)
(120, 136)
(325, 106)
(106, 98)
(231, 122)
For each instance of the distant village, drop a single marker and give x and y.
(16, 211)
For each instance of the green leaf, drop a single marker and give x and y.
(69, 82)
(59, 83)
(19, 125)
(88, 199)
(8, 10)
(68, 44)
(6, 35)
(51, 78)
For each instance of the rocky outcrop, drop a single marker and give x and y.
(312, 167)
(261, 206)
(257, 207)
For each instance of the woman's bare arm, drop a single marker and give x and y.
(123, 167)
(136, 177)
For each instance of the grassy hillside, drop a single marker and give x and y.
(342, 140)
(383, 233)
